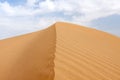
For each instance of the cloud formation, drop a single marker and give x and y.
(38, 14)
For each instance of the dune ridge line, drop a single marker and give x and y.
(63, 51)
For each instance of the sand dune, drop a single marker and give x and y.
(28, 57)
(63, 51)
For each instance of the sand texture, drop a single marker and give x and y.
(63, 51)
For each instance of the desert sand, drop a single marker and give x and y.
(63, 51)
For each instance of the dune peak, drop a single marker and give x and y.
(63, 51)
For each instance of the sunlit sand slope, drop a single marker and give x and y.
(86, 54)
(63, 51)
(28, 57)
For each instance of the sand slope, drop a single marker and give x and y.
(86, 54)
(61, 52)
(28, 57)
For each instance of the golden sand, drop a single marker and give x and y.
(63, 51)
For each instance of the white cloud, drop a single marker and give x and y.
(31, 2)
(86, 10)
(6, 8)
(36, 14)
(48, 4)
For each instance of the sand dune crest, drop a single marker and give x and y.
(63, 51)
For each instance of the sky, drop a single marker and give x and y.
(24, 16)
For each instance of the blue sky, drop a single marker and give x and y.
(23, 16)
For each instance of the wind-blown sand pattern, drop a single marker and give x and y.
(61, 52)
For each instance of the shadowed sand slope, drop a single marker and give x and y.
(78, 53)
(28, 57)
